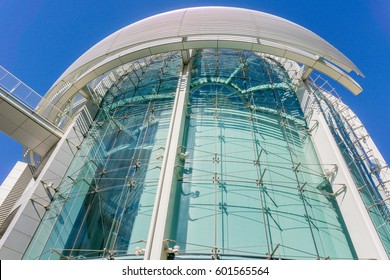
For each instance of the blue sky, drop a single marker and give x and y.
(41, 38)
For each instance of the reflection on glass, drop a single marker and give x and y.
(105, 201)
(252, 186)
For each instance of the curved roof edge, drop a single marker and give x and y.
(206, 27)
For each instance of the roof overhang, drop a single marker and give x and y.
(206, 27)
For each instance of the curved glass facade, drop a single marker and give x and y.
(250, 184)
(106, 198)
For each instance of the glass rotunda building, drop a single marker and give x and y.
(201, 133)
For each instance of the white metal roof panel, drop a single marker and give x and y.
(214, 21)
(203, 27)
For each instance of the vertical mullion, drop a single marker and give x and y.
(168, 175)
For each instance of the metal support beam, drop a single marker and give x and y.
(186, 56)
(306, 73)
(159, 229)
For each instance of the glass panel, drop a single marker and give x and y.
(104, 205)
(252, 186)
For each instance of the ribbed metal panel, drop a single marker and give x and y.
(215, 21)
(15, 193)
(205, 27)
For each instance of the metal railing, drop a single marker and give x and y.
(22, 93)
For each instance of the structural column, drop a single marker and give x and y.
(163, 206)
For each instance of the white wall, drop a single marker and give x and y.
(361, 229)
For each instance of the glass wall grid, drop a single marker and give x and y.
(105, 201)
(252, 186)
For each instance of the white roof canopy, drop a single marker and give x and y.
(206, 27)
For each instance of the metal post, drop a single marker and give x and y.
(158, 231)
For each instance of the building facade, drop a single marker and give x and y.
(189, 135)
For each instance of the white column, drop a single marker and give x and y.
(162, 213)
(363, 234)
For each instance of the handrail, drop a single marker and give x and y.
(22, 93)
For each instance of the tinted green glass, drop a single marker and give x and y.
(252, 185)
(105, 202)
